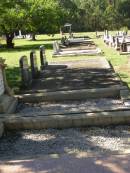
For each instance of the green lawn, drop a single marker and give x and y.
(23, 47)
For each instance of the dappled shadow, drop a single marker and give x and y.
(55, 78)
(34, 46)
(70, 146)
(49, 39)
(54, 141)
(70, 163)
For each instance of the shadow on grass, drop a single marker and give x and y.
(52, 39)
(13, 77)
(26, 47)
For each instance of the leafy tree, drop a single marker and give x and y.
(12, 19)
(43, 16)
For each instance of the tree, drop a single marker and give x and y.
(43, 16)
(12, 18)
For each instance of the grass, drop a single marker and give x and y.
(23, 47)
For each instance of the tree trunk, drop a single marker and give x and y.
(9, 40)
(33, 37)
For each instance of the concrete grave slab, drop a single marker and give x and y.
(78, 52)
(92, 73)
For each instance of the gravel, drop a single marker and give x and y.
(53, 141)
(73, 106)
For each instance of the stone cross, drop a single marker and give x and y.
(25, 73)
(34, 65)
(43, 60)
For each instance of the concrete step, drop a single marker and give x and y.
(82, 94)
(40, 121)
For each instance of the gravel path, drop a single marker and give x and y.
(113, 140)
(72, 106)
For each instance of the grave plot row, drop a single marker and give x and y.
(121, 41)
(75, 48)
(26, 76)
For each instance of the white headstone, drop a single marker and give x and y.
(2, 89)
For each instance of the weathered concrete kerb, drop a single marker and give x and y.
(113, 91)
(39, 121)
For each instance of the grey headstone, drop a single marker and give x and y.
(2, 87)
(34, 65)
(54, 48)
(43, 59)
(25, 74)
(128, 47)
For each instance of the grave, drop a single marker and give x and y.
(25, 72)
(91, 84)
(34, 65)
(43, 59)
(7, 101)
(75, 49)
(125, 48)
(89, 52)
(88, 73)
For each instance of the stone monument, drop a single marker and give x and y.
(43, 59)
(8, 102)
(34, 65)
(56, 47)
(25, 73)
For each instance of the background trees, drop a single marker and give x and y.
(47, 16)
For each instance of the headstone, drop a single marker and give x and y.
(54, 48)
(107, 34)
(123, 47)
(2, 88)
(8, 103)
(25, 73)
(20, 33)
(110, 40)
(43, 59)
(34, 65)
(117, 43)
(113, 41)
(128, 47)
(57, 46)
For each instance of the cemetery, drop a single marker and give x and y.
(121, 42)
(64, 86)
(67, 83)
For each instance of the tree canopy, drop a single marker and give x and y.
(47, 16)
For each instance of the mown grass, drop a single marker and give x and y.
(24, 46)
